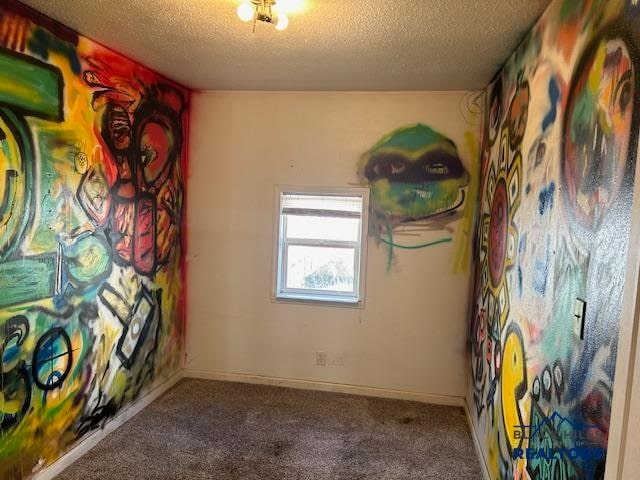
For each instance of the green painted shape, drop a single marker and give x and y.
(88, 259)
(412, 137)
(418, 246)
(27, 280)
(557, 339)
(583, 116)
(31, 87)
(23, 137)
(417, 200)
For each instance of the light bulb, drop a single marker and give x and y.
(283, 22)
(246, 12)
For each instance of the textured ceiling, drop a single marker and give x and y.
(330, 45)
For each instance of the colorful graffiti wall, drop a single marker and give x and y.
(92, 162)
(558, 164)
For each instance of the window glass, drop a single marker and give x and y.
(323, 228)
(320, 245)
(321, 268)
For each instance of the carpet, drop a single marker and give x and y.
(220, 430)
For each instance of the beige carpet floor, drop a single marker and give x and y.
(217, 430)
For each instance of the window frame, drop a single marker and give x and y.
(281, 293)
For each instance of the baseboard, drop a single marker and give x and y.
(476, 443)
(91, 440)
(327, 387)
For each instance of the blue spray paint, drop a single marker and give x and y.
(554, 96)
(522, 244)
(545, 200)
(541, 270)
(519, 281)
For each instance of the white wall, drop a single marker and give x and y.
(410, 335)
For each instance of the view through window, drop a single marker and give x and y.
(320, 245)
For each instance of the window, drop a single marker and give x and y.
(320, 244)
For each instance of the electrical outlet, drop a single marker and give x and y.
(321, 359)
(579, 313)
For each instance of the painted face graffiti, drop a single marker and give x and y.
(415, 173)
(143, 143)
(597, 128)
(416, 177)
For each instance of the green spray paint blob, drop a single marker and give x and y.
(88, 260)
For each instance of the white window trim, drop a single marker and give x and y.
(324, 297)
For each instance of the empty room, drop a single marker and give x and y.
(319, 239)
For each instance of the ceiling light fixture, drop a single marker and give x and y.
(263, 11)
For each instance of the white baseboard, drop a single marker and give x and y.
(327, 387)
(476, 444)
(91, 440)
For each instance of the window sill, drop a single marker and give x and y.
(328, 301)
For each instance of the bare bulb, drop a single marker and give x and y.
(246, 12)
(283, 22)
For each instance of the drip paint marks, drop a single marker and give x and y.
(418, 183)
(558, 165)
(92, 160)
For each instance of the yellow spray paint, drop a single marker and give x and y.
(462, 255)
(513, 385)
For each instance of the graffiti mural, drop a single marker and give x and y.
(417, 182)
(91, 225)
(557, 177)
